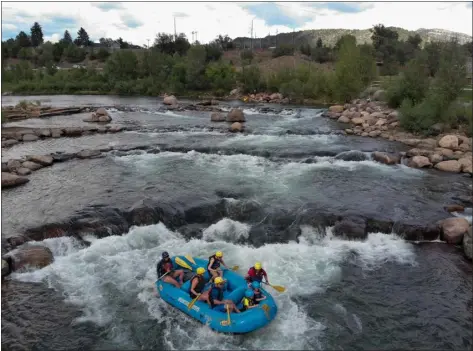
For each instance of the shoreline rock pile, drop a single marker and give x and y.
(99, 116)
(444, 152)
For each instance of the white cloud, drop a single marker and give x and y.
(213, 18)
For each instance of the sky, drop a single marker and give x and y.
(137, 22)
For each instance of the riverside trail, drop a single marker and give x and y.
(271, 194)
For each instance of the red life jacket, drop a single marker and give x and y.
(256, 275)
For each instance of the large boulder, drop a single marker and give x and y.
(344, 119)
(170, 100)
(217, 117)
(336, 109)
(101, 115)
(276, 96)
(30, 255)
(449, 142)
(351, 227)
(235, 115)
(382, 157)
(13, 165)
(357, 121)
(453, 229)
(43, 160)
(468, 244)
(30, 137)
(449, 166)
(23, 171)
(466, 164)
(419, 162)
(11, 180)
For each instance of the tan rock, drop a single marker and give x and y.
(13, 165)
(380, 122)
(31, 165)
(427, 144)
(217, 117)
(454, 208)
(449, 166)
(170, 100)
(31, 255)
(357, 121)
(419, 162)
(344, 119)
(336, 109)
(435, 158)
(418, 152)
(10, 180)
(30, 137)
(444, 152)
(449, 142)
(45, 160)
(394, 124)
(348, 131)
(236, 115)
(22, 171)
(374, 133)
(236, 127)
(453, 229)
(466, 164)
(382, 157)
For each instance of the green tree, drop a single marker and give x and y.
(122, 65)
(46, 54)
(348, 71)
(82, 38)
(67, 39)
(23, 40)
(221, 77)
(196, 62)
(36, 35)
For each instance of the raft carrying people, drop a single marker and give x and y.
(216, 296)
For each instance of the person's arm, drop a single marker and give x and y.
(223, 262)
(209, 267)
(263, 297)
(194, 283)
(265, 276)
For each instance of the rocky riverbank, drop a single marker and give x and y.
(449, 152)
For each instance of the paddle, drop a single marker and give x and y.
(190, 259)
(228, 321)
(189, 306)
(277, 287)
(235, 268)
(183, 264)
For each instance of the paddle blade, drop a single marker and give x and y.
(183, 264)
(189, 306)
(235, 268)
(279, 288)
(190, 259)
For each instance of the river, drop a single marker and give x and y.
(255, 196)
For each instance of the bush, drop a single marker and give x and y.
(246, 56)
(251, 80)
(283, 50)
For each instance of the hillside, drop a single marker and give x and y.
(330, 36)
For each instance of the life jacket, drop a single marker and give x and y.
(247, 302)
(164, 267)
(215, 294)
(258, 295)
(216, 262)
(256, 276)
(200, 285)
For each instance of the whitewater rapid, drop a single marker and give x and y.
(101, 278)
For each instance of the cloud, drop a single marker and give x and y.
(274, 15)
(108, 6)
(130, 21)
(136, 22)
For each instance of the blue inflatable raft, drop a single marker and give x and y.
(240, 323)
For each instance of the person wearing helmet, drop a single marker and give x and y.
(216, 296)
(165, 266)
(258, 294)
(249, 300)
(214, 265)
(256, 274)
(197, 287)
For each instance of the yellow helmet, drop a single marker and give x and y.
(258, 265)
(200, 270)
(218, 280)
(219, 254)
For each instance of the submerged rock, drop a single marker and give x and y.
(351, 227)
(352, 155)
(217, 117)
(30, 255)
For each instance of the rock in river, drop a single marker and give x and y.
(11, 180)
(453, 229)
(235, 115)
(351, 227)
(468, 244)
(353, 155)
(30, 255)
(43, 160)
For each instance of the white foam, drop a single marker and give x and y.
(227, 230)
(121, 268)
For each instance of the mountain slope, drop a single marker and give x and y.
(330, 36)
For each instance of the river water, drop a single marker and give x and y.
(381, 293)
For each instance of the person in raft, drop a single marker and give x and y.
(165, 266)
(249, 300)
(216, 296)
(214, 265)
(197, 287)
(256, 274)
(258, 293)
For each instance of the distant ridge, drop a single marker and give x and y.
(330, 36)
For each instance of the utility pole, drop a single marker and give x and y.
(175, 32)
(148, 43)
(276, 38)
(251, 40)
(293, 37)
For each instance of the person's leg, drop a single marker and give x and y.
(213, 275)
(172, 281)
(179, 274)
